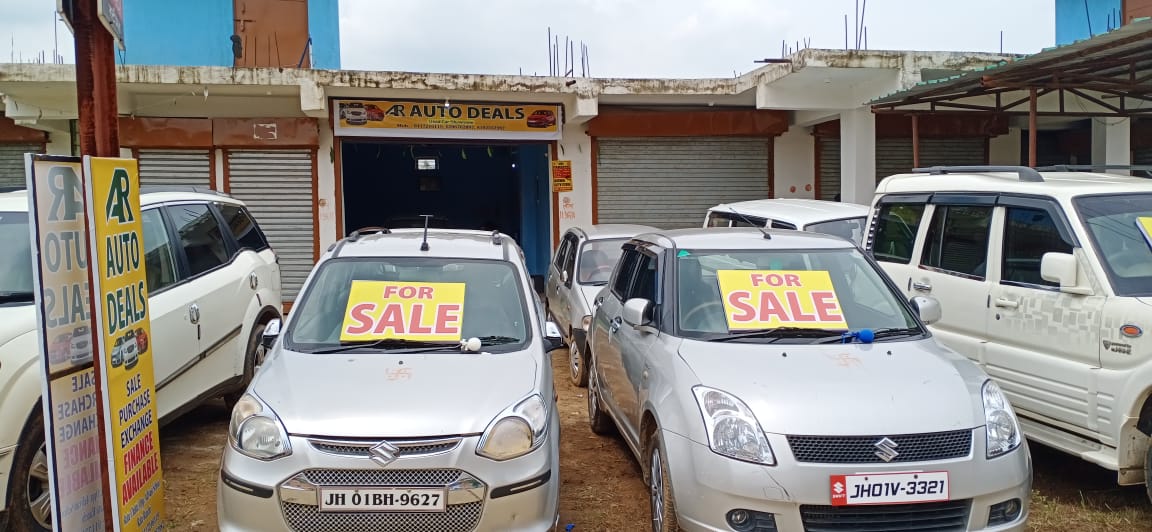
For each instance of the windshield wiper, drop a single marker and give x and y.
(781, 333)
(497, 340)
(408, 346)
(877, 334)
(17, 297)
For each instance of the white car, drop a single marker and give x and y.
(355, 114)
(213, 283)
(845, 220)
(1045, 280)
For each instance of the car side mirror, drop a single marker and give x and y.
(271, 333)
(564, 276)
(927, 308)
(553, 340)
(637, 312)
(1062, 268)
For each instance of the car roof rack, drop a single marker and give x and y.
(1089, 167)
(355, 235)
(1026, 173)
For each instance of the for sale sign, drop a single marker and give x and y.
(126, 375)
(769, 299)
(59, 245)
(379, 310)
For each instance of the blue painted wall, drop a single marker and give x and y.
(1075, 17)
(177, 32)
(197, 33)
(324, 28)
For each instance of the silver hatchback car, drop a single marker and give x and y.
(410, 390)
(776, 381)
(583, 262)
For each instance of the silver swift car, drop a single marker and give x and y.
(776, 381)
(410, 390)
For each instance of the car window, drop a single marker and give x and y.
(562, 253)
(777, 224)
(570, 259)
(850, 229)
(159, 258)
(200, 236)
(647, 279)
(864, 297)
(16, 261)
(1028, 235)
(957, 241)
(622, 284)
(732, 219)
(716, 219)
(494, 300)
(243, 227)
(896, 227)
(1123, 248)
(597, 258)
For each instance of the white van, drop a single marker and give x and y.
(1045, 279)
(845, 220)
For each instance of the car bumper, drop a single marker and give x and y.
(706, 486)
(518, 494)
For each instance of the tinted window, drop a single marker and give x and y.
(561, 254)
(957, 240)
(16, 261)
(646, 279)
(243, 227)
(159, 259)
(200, 236)
(896, 227)
(726, 219)
(622, 284)
(1028, 235)
(777, 224)
(570, 259)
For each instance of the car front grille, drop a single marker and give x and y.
(928, 517)
(458, 518)
(407, 448)
(862, 449)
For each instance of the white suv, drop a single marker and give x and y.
(213, 283)
(1045, 279)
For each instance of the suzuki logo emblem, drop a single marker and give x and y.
(384, 453)
(886, 449)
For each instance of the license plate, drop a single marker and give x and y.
(382, 499)
(889, 488)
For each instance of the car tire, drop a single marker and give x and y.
(29, 481)
(598, 419)
(253, 358)
(577, 364)
(660, 497)
(1148, 472)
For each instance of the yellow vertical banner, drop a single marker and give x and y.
(120, 290)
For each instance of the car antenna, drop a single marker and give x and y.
(424, 244)
(767, 236)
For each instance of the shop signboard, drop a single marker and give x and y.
(446, 120)
(112, 15)
(60, 269)
(120, 289)
(561, 176)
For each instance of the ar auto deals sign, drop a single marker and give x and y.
(126, 375)
(60, 271)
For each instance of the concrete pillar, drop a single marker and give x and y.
(1004, 150)
(857, 156)
(793, 172)
(1112, 142)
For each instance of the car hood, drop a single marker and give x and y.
(391, 394)
(16, 321)
(855, 389)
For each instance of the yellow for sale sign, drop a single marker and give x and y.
(125, 359)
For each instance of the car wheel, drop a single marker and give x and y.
(252, 362)
(1148, 472)
(577, 365)
(30, 494)
(660, 490)
(598, 419)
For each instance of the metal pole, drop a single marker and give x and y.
(83, 17)
(104, 79)
(1032, 127)
(915, 141)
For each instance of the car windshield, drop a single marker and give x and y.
(597, 258)
(732, 219)
(864, 299)
(389, 301)
(1123, 247)
(16, 283)
(850, 229)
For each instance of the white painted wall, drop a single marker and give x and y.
(575, 146)
(60, 143)
(793, 164)
(1005, 149)
(857, 156)
(326, 187)
(1112, 142)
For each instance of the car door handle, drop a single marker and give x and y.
(1007, 303)
(194, 313)
(923, 287)
(615, 325)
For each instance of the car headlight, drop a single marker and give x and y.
(516, 431)
(1001, 426)
(255, 431)
(586, 322)
(732, 428)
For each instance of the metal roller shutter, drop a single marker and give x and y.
(894, 156)
(829, 185)
(967, 151)
(277, 186)
(1142, 156)
(671, 182)
(12, 163)
(175, 167)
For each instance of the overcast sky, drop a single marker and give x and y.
(625, 38)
